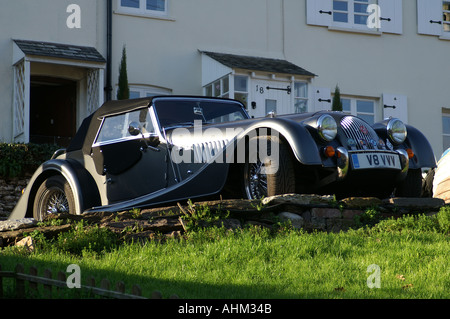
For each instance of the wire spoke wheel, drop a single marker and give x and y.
(269, 175)
(54, 196)
(255, 182)
(55, 202)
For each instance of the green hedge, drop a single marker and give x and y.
(21, 160)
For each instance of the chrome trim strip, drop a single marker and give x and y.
(343, 163)
(352, 129)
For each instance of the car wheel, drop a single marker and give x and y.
(54, 196)
(269, 175)
(411, 186)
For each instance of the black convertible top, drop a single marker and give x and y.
(85, 136)
(120, 106)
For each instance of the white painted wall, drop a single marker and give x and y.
(43, 20)
(164, 52)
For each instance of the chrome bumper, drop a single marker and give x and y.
(343, 163)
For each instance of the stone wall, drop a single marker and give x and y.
(10, 192)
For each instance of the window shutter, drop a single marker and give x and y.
(391, 16)
(322, 99)
(319, 12)
(429, 17)
(396, 106)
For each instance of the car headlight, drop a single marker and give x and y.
(327, 127)
(396, 130)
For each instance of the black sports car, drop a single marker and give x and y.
(143, 152)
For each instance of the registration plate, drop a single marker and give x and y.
(375, 160)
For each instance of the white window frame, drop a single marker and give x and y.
(299, 97)
(320, 12)
(147, 91)
(354, 109)
(446, 14)
(243, 93)
(351, 14)
(217, 88)
(142, 10)
(220, 91)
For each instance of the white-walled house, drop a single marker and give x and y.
(281, 55)
(52, 72)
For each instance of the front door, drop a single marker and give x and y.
(270, 96)
(134, 165)
(52, 110)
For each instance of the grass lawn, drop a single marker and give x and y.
(411, 255)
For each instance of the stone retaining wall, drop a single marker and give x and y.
(10, 192)
(308, 212)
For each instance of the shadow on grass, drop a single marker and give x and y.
(167, 288)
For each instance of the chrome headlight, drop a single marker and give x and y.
(327, 127)
(396, 130)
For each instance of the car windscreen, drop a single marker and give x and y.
(174, 112)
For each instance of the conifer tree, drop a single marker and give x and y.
(337, 103)
(123, 93)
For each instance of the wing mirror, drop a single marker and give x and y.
(135, 130)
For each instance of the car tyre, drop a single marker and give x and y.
(269, 175)
(54, 196)
(412, 185)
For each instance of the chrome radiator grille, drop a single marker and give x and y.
(360, 132)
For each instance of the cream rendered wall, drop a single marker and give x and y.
(43, 20)
(165, 52)
(369, 65)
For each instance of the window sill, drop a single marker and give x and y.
(352, 30)
(142, 15)
(445, 37)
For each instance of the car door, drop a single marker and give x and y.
(128, 152)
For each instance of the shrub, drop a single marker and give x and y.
(81, 238)
(21, 160)
(439, 223)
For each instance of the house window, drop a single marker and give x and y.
(351, 13)
(433, 17)
(446, 16)
(300, 97)
(364, 109)
(241, 89)
(219, 88)
(145, 7)
(141, 91)
(446, 128)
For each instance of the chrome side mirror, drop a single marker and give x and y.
(134, 129)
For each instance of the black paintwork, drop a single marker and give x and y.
(137, 173)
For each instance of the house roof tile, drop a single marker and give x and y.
(59, 50)
(258, 63)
